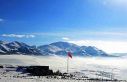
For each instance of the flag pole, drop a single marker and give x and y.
(68, 55)
(67, 64)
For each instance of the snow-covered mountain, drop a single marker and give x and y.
(61, 48)
(57, 48)
(17, 48)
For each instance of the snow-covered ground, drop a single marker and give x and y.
(44, 79)
(94, 67)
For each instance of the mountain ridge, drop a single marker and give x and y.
(56, 48)
(63, 47)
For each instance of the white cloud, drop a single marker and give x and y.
(82, 33)
(65, 38)
(108, 33)
(1, 19)
(18, 35)
(107, 46)
(116, 3)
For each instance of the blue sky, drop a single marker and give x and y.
(100, 23)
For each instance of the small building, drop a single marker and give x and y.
(39, 70)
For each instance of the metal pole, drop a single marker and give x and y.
(67, 64)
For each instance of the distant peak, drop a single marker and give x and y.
(59, 42)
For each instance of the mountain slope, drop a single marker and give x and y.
(17, 48)
(61, 48)
(57, 48)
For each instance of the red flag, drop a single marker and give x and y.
(69, 54)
